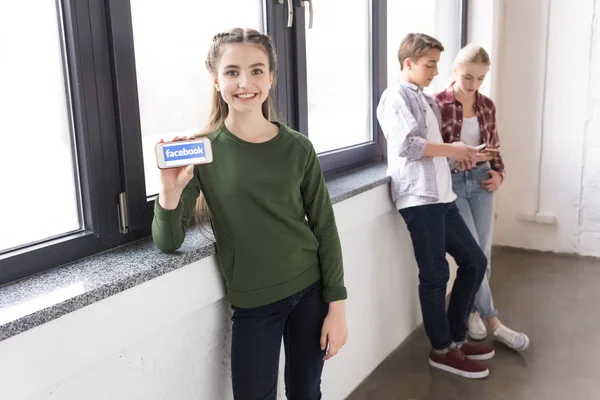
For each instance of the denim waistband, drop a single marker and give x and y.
(478, 165)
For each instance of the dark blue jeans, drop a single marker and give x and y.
(256, 345)
(436, 229)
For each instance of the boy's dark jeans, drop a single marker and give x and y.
(436, 229)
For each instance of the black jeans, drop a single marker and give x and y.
(436, 229)
(256, 345)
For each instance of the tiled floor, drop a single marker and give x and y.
(555, 300)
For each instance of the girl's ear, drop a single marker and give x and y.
(271, 77)
(216, 83)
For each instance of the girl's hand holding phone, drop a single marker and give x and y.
(173, 181)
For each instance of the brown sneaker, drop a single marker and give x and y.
(477, 351)
(456, 362)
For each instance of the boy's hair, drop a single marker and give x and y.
(415, 46)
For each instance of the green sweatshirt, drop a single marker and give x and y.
(272, 218)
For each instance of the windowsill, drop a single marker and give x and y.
(42, 298)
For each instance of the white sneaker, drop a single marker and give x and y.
(515, 340)
(477, 329)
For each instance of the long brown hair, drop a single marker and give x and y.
(219, 108)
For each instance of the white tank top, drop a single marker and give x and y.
(470, 133)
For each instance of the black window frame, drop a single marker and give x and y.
(106, 122)
(87, 66)
(291, 96)
(293, 48)
(464, 23)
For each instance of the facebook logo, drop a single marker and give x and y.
(183, 154)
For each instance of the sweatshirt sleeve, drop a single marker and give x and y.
(321, 219)
(169, 226)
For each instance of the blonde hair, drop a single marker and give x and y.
(219, 108)
(471, 54)
(415, 46)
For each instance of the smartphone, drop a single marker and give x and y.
(492, 150)
(183, 153)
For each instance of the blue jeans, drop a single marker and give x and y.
(435, 229)
(256, 344)
(476, 206)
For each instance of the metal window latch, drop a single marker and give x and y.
(309, 4)
(290, 4)
(123, 214)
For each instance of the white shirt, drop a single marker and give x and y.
(470, 133)
(442, 170)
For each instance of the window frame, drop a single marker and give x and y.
(127, 114)
(464, 23)
(82, 27)
(340, 160)
(290, 94)
(345, 158)
(100, 61)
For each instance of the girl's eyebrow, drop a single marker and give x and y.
(252, 66)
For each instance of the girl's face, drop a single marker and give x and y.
(469, 77)
(243, 76)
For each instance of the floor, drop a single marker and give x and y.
(555, 299)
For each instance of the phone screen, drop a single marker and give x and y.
(180, 154)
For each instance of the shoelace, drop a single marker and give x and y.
(507, 334)
(458, 354)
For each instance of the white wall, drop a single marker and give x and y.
(169, 338)
(548, 100)
(589, 230)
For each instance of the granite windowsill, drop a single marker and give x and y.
(50, 295)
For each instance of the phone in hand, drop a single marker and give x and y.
(480, 147)
(182, 153)
(495, 151)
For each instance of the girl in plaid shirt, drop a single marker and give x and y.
(470, 117)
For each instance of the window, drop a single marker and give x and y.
(174, 88)
(58, 117)
(339, 75)
(91, 85)
(339, 84)
(38, 162)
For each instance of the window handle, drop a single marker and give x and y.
(310, 12)
(290, 4)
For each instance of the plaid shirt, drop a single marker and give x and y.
(485, 110)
